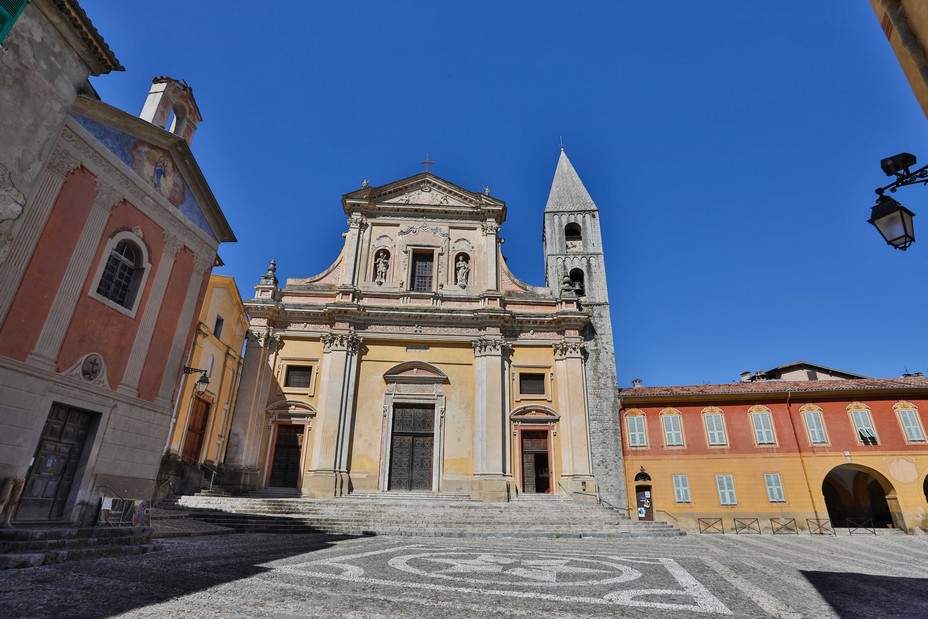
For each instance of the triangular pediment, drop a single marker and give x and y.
(423, 190)
(160, 159)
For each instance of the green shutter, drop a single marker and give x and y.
(9, 11)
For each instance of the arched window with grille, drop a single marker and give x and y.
(121, 277)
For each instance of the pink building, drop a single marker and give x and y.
(108, 239)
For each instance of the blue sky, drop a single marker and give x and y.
(732, 149)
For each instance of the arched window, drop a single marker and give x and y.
(177, 119)
(576, 280)
(573, 237)
(119, 282)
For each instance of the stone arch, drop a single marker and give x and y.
(415, 372)
(855, 493)
(534, 413)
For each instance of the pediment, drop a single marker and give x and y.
(291, 407)
(534, 414)
(415, 372)
(424, 190)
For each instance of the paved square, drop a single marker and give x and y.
(263, 575)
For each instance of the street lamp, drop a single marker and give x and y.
(888, 216)
(202, 383)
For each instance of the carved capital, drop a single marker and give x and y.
(490, 227)
(107, 196)
(356, 221)
(63, 162)
(201, 264)
(486, 346)
(568, 348)
(348, 342)
(172, 245)
(265, 338)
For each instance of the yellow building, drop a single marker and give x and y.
(419, 362)
(203, 415)
(905, 23)
(779, 455)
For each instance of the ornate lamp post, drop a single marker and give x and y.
(888, 216)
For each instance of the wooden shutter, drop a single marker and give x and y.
(9, 11)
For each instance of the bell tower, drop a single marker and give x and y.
(574, 266)
(171, 106)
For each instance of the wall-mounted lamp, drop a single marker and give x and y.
(202, 383)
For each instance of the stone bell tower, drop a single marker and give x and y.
(171, 106)
(574, 267)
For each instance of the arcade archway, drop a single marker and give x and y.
(860, 496)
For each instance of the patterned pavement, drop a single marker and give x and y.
(263, 575)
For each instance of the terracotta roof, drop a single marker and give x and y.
(85, 29)
(778, 386)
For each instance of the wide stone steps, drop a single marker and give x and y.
(31, 547)
(422, 515)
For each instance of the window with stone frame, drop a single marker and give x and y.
(715, 426)
(298, 377)
(672, 422)
(532, 383)
(815, 424)
(911, 424)
(762, 420)
(863, 423)
(637, 429)
(121, 275)
(422, 272)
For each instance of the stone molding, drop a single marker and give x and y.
(265, 338)
(332, 342)
(63, 161)
(568, 348)
(487, 346)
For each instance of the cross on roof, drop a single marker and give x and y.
(427, 162)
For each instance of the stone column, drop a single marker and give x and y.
(247, 433)
(350, 276)
(56, 324)
(328, 473)
(490, 483)
(577, 470)
(36, 213)
(146, 327)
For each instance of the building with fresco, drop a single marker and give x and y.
(779, 455)
(203, 418)
(418, 362)
(108, 233)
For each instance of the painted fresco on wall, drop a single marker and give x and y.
(152, 163)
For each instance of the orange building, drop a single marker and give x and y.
(778, 456)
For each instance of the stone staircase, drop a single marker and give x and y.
(419, 514)
(31, 547)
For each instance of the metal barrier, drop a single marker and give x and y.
(747, 525)
(820, 526)
(711, 525)
(860, 527)
(784, 526)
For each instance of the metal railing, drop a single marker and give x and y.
(747, 525)
(860, 527)
(820, 526)
(711, 525)
(784, 526)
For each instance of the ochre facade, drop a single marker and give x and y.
(417, 361)
(843, 453)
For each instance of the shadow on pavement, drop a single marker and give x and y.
(864, 596)
(107, 587)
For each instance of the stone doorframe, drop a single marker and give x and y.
(534, 417)
(413, 383)
(291, 412)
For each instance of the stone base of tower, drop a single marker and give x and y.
(580, 488)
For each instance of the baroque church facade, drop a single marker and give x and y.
(418, 362)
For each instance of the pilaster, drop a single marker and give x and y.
(146, 328)
(33, 220)
(62, 310)
(490, 474)
(201, 265)
(328, 473)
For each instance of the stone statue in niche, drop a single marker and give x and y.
(462, 269)
(381, 264)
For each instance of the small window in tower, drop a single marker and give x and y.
(573, 237)
(422, 263)
(176, 121)
(576, 280)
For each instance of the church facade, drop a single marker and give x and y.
(418, 362)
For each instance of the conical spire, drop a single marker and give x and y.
(567, 190)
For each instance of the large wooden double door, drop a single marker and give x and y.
(412, 448)
(48, 486)
(288, 450)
